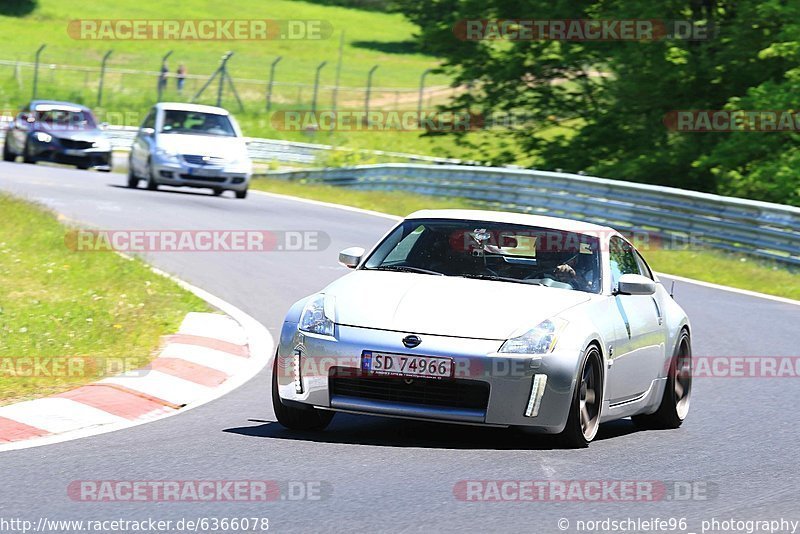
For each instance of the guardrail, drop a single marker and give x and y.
(756, 228)
(291, 152)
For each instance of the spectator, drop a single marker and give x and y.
(181, 77)
(162, 78)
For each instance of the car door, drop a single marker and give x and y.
(638, 353)
(142, 144)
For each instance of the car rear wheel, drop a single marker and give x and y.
(7, 155)
(309, 418)
(674, 405)
(241, 194)
(584, 413)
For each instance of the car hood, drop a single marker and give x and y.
(445, 305)
(76, 134)
(207, 145)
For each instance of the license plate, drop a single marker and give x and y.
(196, 171)
(384, 363)
(74, 152)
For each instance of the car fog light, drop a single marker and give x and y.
(296, 363)
(537, 392)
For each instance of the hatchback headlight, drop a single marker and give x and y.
(541, 339)
(167, 156)
(318, 316)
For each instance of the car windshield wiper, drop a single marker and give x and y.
(404, 269)
(500, 279)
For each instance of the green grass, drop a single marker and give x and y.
(87, 307)
(708, 265)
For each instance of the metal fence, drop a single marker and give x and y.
(756, 228)
(288, 152)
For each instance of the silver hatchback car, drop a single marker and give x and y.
(189, 145)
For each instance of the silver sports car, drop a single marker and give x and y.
(489, 318)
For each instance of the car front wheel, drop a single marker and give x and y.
(241, 194)
(584, 413)
(309, 418)
(151, 181)
(7, 155)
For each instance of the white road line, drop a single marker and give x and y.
(58, 415)
(729, 289)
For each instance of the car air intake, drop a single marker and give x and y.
(457, 393)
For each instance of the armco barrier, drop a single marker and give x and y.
(747, 226)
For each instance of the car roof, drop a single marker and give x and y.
(542, 221)
(199, 108)
(56, 104)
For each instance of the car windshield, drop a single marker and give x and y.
(194, 122)
(493, 251)
(65, 118)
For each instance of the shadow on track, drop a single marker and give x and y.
(187, 191)
(389, 432)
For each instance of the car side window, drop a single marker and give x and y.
(643, 267)
(623, 259)
(150, 120)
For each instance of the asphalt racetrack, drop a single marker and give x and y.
(738, 449)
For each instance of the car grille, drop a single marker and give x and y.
(202, 160)
(455, 393)
(75, 144)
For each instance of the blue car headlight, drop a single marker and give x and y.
(318, 316)
(541, 339)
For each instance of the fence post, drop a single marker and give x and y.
(271, 80)
(36, 70)
(316, 88)
(160, 83)
(421, 92)
(102, 78)
(338, 72)
(369, 89)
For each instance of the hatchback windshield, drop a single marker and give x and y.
(193, 122)
(65, 118)
(493, 251)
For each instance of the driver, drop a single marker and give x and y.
(575, 272)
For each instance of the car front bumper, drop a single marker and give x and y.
(182, 174)
(99, 158)
(540, 386)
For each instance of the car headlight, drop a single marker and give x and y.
(541, 339)
(318, 315)
(165, 155)
(43, 137)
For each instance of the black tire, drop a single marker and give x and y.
(674, 405)
(587, 401)
(217, 191)
(241, 194)
(83, 167)
(26, 157)
(133, 180)
(151, 182)
(297, 418)
(8, 156)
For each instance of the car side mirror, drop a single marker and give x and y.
(148, 132)
(351, 257)
(635, 284)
